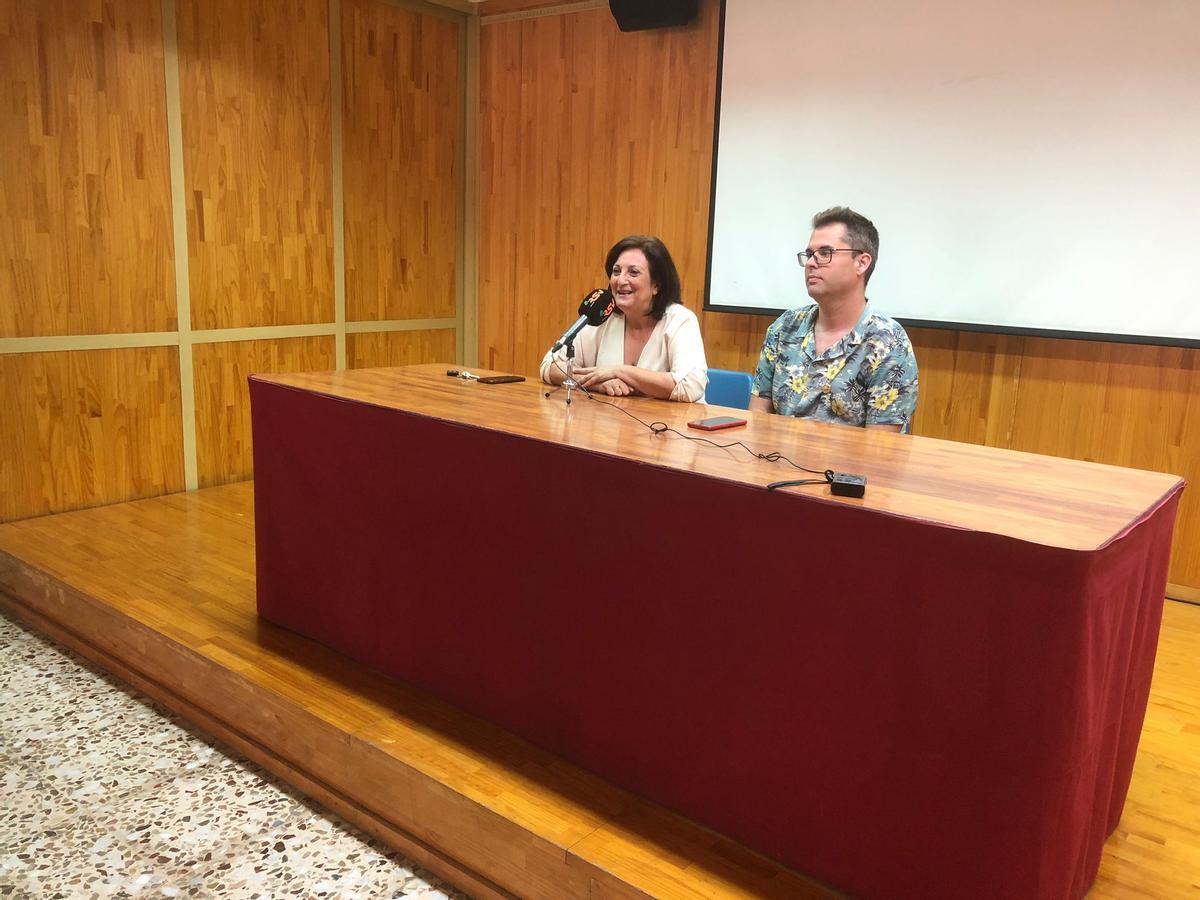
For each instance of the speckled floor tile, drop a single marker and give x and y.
(106, 795)
(12, 637)
(28, 803)
(91, 740)
(306, 858)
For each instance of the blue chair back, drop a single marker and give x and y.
(727, 388)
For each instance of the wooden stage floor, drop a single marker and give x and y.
(161, 593)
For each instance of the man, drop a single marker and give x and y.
(836, 360)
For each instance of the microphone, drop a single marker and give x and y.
(594, 309)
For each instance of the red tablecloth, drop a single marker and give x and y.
(898, 708)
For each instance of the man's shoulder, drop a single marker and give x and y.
(797, 319)
(877, 324)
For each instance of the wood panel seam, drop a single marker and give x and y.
(126, 341)
(121, 341)
(399, 325)
(558, 10)
(1016, 388)
(183, 296)
(467, 336)
(339, 218)
(453, 10)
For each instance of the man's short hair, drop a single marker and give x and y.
(860, 232)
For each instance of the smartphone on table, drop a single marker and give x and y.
(716, 423)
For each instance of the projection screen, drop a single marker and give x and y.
(1031, 166)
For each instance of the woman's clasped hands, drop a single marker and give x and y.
(603, 380)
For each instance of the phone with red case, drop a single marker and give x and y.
(716, 423)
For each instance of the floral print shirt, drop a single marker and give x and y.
(869, 377)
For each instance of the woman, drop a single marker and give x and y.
(651, 345)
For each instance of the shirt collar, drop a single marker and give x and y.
(856, 334)
(852, 338)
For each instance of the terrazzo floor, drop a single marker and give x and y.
(106, 794)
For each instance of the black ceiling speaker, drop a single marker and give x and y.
(638, 15)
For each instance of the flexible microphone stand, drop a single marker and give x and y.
(569, 382)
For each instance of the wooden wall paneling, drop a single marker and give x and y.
(507, 157)
(733, 340)
(85, 220)
(255, 97)
(586, 135)
(223, 447)
(399, 348)
(1124, 404)
(88, 427)
(968, 384)
(401, 114)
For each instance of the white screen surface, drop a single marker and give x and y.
(1029, 165)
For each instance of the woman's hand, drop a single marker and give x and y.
(591, 377)
(614, 387)
(603, 380)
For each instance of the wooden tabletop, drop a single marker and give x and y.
(1043, 499)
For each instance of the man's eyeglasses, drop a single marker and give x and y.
(823, 255)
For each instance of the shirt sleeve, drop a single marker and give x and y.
(764, 372)
(892, 384)
(685, 355)
(548, 362)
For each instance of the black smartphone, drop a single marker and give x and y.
(500, 379)
(716, 423)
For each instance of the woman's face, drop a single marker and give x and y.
(630, 283)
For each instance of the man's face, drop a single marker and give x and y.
(841, 274)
